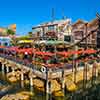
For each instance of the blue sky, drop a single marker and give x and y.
(27, 13)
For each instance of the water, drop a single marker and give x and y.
(90, 93)
(19, 86)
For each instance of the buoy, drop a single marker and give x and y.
(43, 69)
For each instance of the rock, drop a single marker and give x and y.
(58, 94)
(12, 79)
(38, 83)
(70, 85)
(55, 86)
(24, 95)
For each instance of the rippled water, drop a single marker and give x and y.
(91, 93)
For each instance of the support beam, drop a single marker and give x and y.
(85, 70)
(13, 70)
(94, 73)
(3, 66)
(48, 81)
(75, 71)
(96, 69)
(7, 69)
(31, 77)
(48, 84)
(75, 64)
(62, 79)
(22, 75)
(31, 81)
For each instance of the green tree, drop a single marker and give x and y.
(10, 32)
(30, 34)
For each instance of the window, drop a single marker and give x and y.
(5, 44)
(67, 38)
(50, 28)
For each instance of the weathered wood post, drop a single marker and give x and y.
(85, 70)
(47, 81)
(96, 68)
(22, 78)
(13, 70)
(48, 84)
(63, 79)
(7, 69)
(75, 72)
(22, 75)
(3, 66)
(31, 78)
(75, 64)
(94, 73)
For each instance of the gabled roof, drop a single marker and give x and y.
(93, 23)
(78, 22)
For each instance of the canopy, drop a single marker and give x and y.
(52, 42)
(77, 52)
(26, 50)
(63, 53)
(89, 51)
(2, 47)
(25, 41)
(44, 53)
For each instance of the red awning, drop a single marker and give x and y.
(89, 51)
(63, 53)
(2, 47)
(28, 50)
(44, 53)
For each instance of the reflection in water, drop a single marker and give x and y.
(91, 93)
(31, 88)
(22, 84)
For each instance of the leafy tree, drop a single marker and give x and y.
(30, 34)
(10, 32)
